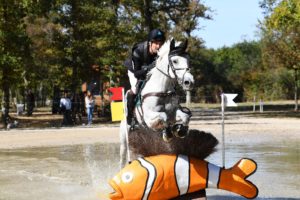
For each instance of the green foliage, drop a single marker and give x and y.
(57, 43)
(281, 38)
(64, 43)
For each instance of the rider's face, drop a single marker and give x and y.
(155, 46)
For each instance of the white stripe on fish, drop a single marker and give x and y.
(213, 175)
(182, 171)
(151, 176)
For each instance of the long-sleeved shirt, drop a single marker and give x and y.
(140, 58)
(89, 102)
(65, 102)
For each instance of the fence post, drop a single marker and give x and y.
(188, 98)
(261, 106)
(254, 101)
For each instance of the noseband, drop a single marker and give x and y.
(175, 69)
(170, 65)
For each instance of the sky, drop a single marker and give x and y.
(233, 21)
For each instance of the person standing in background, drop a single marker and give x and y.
(89, 104)
(65, 107)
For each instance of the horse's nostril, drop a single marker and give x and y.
(187, 83)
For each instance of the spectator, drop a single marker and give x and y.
(65, 107)
(89, 104)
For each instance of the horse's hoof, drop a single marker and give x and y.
(180, 131)
(167, 136)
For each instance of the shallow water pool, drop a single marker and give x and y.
(81, 172)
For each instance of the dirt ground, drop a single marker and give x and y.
(239, 127)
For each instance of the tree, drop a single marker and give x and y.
(246, 69)
(13, 47)
(281, 37)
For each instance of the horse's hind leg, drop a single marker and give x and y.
(123, 144)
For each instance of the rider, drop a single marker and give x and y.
(140, 62)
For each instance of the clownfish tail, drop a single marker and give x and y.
(234, 178)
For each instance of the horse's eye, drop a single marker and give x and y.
(175, 61)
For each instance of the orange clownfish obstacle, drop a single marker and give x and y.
(169, 176)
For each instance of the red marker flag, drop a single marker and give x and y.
(116, 94)
(117, 105)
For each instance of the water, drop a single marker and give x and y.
(278, 173)
(67, 172)
(82, 172)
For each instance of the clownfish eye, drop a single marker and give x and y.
(127, 177)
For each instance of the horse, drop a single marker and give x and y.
(158, 108)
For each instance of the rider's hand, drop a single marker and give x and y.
(145, 68)
(149, 67)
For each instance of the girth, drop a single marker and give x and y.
(158, 94)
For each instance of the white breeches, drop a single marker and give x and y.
(132, 81)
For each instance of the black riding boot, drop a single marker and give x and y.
(130, 106)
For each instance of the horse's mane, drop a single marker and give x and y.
(165, 49)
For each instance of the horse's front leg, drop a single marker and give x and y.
(181, 127)
(183, 117)
(155, 120)
(123, 144)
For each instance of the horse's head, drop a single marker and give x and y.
(179, 67)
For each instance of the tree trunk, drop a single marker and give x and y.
(75, 53)
(148, 15)
(296, 89)
(5, 88)
(5, 69)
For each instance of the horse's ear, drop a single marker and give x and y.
(184, 44)
(172, 44)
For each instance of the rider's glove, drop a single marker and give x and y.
(149, 67)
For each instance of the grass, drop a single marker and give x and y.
(43, 118)
(270, 109)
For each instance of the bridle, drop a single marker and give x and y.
(170, 65)
(175, 69)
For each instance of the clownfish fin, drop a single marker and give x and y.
(234, 179)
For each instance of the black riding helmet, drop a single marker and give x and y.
(156, 35)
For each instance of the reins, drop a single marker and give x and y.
(166, 94)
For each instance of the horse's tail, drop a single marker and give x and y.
(198, 144)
